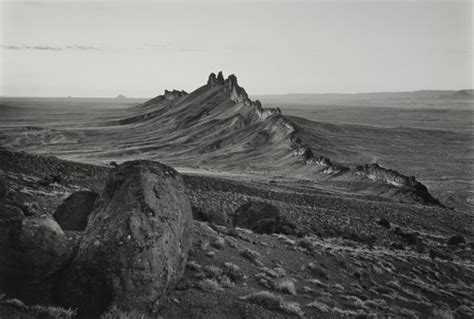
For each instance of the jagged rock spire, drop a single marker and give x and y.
(220, 78)
(212, 80)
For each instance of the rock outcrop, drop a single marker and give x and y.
(407, 184)
(175, 94)
(136, 242)
(166, 96)
(72, 214)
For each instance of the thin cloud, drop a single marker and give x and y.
(49, 48)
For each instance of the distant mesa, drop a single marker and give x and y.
(469, 94)
(460, 95)
(121, 97)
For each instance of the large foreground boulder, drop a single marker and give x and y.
(262, 218)
(32, 251)
(136, 242)
(72, 214)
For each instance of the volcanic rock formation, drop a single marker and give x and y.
(218, 123)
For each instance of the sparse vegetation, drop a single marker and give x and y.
(115, 313)
(285, 285)
(209, 285)
(271, 301)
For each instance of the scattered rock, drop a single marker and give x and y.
(3, 188)
(144, 206)
(51, 179)
(384, 223)
(397, 246)
(456, 240)
(434, 253)
(73, 213)
(261, 218)
(216, 217)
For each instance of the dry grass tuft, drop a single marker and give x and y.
(274, 302)
(116, 313)
(209, 285)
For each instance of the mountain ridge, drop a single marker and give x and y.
(223, 108)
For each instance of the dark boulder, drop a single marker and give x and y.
(3, 188)
(72, 214)
(32, 251)
(384, 223)
(51, 179)
(262, 218)
(136, 243)
(217, 217)
(44, 246)
(456, 240)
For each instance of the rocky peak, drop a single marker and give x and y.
(220, 78)
(212, 81)
(171, 95)
(237, 93)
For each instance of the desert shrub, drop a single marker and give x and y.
(212, 271)
(265, 299)
(270, 272)
(191, 264)
(233, 233)
(285, 285)
(292, 307)
(280, 271)
(320, 306)
(456, 240)
(397, 246)
(116, 313)
(317, 270)
(408, 238)
(360, 238)
(209, 285)
(306, 243)
(218, 242)
(53, 312)
(40, 311)
(50, 179)
(273, 302)
(233, 271)
(15, 303)
(225, 281)
(438, 254)
(250, 254)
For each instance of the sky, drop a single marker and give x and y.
(140, 48)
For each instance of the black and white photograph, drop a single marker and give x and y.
(241, 159)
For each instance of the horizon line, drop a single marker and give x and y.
(259, 94)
